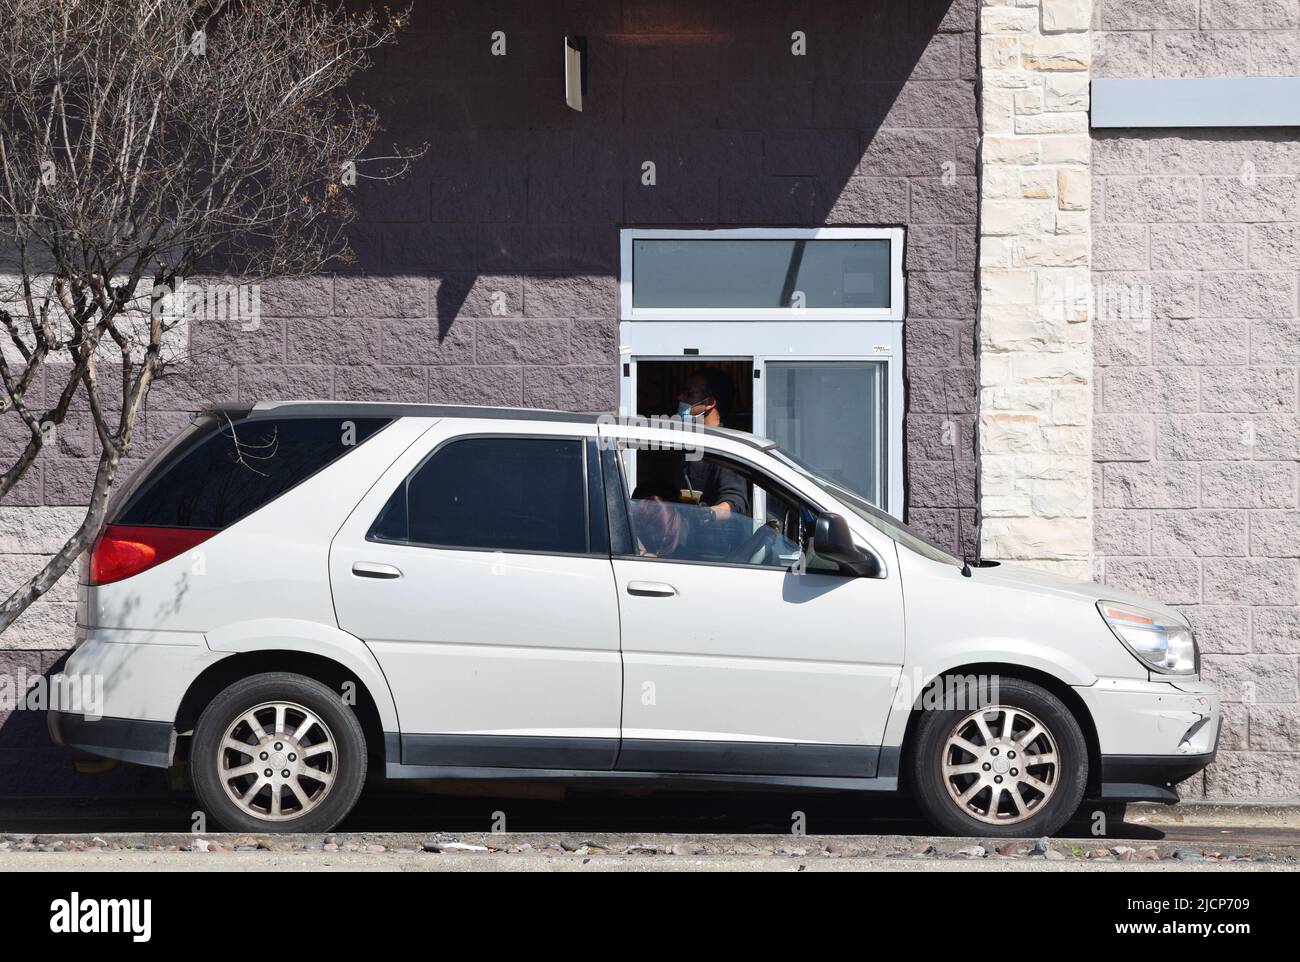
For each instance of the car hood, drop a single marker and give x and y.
(1031, 579)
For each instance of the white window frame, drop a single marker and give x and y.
(897, 295)
(834, 334)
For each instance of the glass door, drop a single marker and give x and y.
(831, 416)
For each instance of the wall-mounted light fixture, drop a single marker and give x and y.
(575, 71)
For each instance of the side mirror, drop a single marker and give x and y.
(833, 541)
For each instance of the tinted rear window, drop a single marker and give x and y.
(507, 494)
(232, 468)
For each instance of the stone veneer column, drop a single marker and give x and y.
(1035, 338)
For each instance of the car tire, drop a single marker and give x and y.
(296, 729)
(961, 758)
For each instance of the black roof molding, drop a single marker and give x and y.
(384, 409)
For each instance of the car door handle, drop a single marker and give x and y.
(651, 589)
(368, 569)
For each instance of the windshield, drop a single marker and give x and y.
(889, 525)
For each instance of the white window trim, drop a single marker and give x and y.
(897, 295)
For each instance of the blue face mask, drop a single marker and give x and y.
(684, 412)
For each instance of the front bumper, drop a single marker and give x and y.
(125, 739)
(1147, 778)
(1151, 736)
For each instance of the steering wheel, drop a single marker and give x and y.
(754, 550)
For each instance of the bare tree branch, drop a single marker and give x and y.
(141, 140)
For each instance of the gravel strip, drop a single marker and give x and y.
(657, 847)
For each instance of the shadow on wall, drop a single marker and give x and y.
(740, 130)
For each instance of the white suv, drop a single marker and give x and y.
(289, 596)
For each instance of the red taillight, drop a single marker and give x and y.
(123, 550)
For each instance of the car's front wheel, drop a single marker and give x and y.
(278, 752)
(1013, 766)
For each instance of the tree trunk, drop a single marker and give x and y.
(57, 566)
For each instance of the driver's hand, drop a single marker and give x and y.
(706, 515)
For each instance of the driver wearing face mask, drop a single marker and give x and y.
(707, 400)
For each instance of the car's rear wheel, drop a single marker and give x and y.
(1014, 767)
(278, 752)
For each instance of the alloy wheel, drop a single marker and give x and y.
(278, 761)
(1000, 765)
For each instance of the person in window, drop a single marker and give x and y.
(707, 399)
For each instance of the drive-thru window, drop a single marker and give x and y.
(807, 324)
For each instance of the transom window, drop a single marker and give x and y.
(751, 273)
(760, 273)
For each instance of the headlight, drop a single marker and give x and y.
(1161, 643)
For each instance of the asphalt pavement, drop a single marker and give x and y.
(430, 810)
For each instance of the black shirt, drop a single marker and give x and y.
(716, 484)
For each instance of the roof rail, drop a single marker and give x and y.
(398, 409)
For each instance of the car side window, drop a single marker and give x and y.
(493, 493)
(717, 510)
